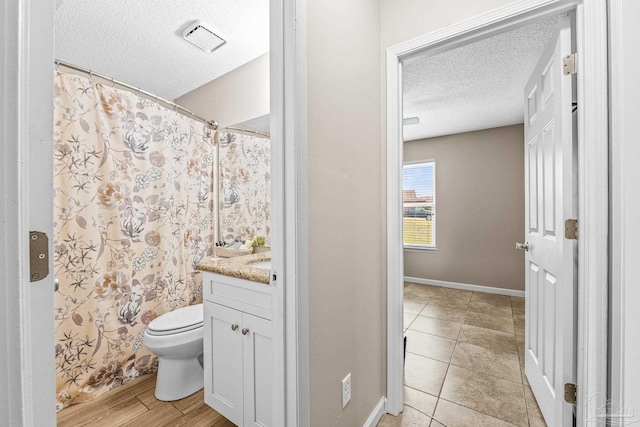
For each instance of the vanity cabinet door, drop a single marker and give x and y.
(223, 361)
(258, 371)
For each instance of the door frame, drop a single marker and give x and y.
(593, 181)
(625, 229)
(27, 357)
(289, 211)
(26, 122)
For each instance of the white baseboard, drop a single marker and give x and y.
(376, 414)
(466, 286)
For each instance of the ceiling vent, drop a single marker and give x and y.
(198, 34)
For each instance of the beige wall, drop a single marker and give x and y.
(479, 208)
(407, 19)
(346, 287)
(347, 175)
(240, 95)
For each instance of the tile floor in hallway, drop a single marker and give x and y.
(465, 361)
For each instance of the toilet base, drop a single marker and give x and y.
(178, 378)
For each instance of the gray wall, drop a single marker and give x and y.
(479, 208)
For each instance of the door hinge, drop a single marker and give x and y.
(274, 278)
(570, 393)
(571, 229)
(38, 255)
(570, 64)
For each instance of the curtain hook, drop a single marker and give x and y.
(90, 75)
(113, 82)
(57, 65)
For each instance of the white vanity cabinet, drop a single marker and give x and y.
(238, 349)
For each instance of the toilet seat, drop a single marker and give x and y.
(174, 322)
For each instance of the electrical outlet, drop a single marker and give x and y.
(346, 390)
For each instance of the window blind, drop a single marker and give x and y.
(419, 205)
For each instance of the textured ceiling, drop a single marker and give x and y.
(140, 42)
(476, 86)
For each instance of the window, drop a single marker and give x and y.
(419, 205)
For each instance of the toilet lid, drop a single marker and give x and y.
(180, 320)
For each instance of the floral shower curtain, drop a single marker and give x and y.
(245, 187)
(133, 215)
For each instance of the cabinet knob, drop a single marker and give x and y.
(234, 327)
(245, 331)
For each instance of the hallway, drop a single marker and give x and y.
(465, 360)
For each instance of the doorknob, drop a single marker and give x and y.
(523, 246)
(245, 331)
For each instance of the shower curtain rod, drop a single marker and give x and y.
(211, 123)
(255, 132)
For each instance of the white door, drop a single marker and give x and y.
(551, 259)
(223, 361)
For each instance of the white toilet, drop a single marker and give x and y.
(176, 337)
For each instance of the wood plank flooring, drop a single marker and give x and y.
(135, 405)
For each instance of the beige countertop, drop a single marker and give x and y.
(239, 267)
